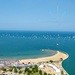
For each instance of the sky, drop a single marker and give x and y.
(37, 15)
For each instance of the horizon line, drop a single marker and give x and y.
(38, 30)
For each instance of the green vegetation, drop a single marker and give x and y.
(49, 74)
(32, 70)
(45, 73)
(47, 62)
(28, 70)
(19, 68)
(51, 61)
(20, 72)
(15, 70)
(61, 59)
(4, 69)
(10, 69)
(62, 72)
(40, 72)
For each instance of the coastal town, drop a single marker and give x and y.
(40, 66)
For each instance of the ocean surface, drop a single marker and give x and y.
(34, 44)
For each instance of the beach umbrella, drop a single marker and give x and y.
(22, 62)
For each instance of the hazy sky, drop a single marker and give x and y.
(48, 15)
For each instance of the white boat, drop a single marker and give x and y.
(57, 44)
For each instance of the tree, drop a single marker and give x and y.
(61, 59)
(19, 68)
(26, 69)
(45, 73)
(51, 61)
(36, 68)
(10, 69)
(33, 70)
(62, 72)
(4, 69)
(40, 72)
(28, 73)
(15, 70)
(20, 72)
(30, 66)
(46, 61)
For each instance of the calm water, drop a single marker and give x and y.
(29, 44)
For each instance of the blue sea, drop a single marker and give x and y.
(29, 44)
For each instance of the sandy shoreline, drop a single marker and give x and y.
(55, 57)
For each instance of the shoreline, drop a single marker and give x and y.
(46, 58)
(55, 57)
(63, 61)
(57, 60)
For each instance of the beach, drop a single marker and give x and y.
(50, 65)
(56, 58)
